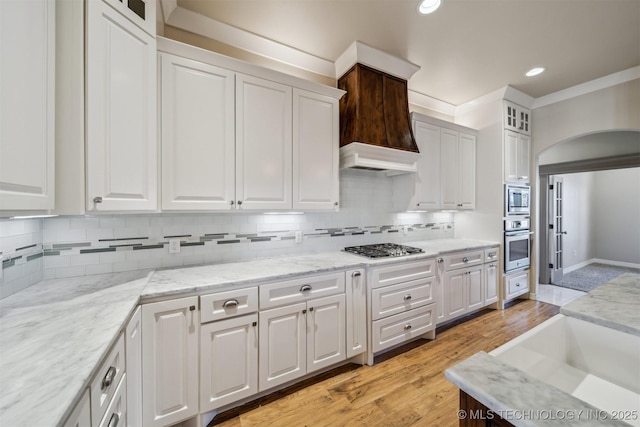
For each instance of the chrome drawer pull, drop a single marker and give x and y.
(465, 259)
(440, 260)
(407, 326)
(232, 303)
(305, 288)
(356, 274)
(114, 420)
(108, 378)
(407, 297)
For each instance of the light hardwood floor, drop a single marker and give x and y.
(406, 387)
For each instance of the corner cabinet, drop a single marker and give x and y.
(27, 84)
(446, 168)
(236, 136)
(121, 108)
(170, 382)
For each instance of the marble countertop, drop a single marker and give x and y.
(54, 334)
(521, 399)
(615, 305)
(507, 390)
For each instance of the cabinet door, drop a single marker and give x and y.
(27, 85)
(198, 135)
(282, 345)
(450, 168)
(121, 116)
(439, 294)
(475, 289)
(315, 151)
(81, 415)
(325, 332)
(510, 120)
(133, 346)
(263, 144)
(170, 381)
(522, 161)
(510, 156)
(428, 176)
(228, 361)
(490, 283)
(467, 170)
(356, 300)
(455, 290)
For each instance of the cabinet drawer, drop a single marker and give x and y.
(463, 259)
(403, 272)
(116, 414)
(298, 290)
(517, 284)
(491, 254)
(402, 297)
(396, 329)
(104, 385)
(222, 305)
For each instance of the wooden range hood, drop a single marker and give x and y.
(375, 127)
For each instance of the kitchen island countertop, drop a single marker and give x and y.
(54, 334)
(526, 401)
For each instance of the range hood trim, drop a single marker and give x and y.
(372, 157)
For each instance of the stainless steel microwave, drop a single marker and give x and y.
(517, 200)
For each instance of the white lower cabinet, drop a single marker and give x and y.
(170, 381)
(356, 312)
(301, 338)
(81, 414)
(516, 284)
(228, 361)
(133, 358)
(467, 281)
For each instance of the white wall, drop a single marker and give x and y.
(616, 227)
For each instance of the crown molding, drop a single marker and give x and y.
(362, 53)
(425, 101)
(588, 87)
(187, 20)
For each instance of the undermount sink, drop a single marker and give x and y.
(598, 365)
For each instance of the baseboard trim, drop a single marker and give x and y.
(600, 261)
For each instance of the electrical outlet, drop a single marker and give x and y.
(298, 236)
(174, 246)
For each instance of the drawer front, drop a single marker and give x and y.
(227, 304)
(403, 272)
(491, 254)
(517, 284)
(116, 414)
(104, 385)
(396, 329)
(463, 259)
(298, 290)
(402, 297)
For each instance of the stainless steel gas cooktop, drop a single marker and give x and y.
(383, 250)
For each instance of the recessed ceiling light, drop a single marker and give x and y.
(534, 71)
(426, 7)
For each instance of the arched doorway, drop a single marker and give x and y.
(604, 151)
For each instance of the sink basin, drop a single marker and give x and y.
(598, 365)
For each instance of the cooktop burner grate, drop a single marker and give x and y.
(383, 250)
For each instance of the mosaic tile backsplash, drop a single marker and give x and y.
(33, 250)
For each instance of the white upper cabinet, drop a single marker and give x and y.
(27, 90)
(121, 110)
(238, 136)
(428, 177)
(446, 168)
(516, 157)
(517, 118)
(198, 135)
(315, 150)
(263, 144)
(458, 154)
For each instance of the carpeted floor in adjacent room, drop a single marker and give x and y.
(593, 275)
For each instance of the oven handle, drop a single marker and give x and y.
(517, 233)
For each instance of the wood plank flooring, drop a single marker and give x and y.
(406, 387)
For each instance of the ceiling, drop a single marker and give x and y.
(466, 49)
